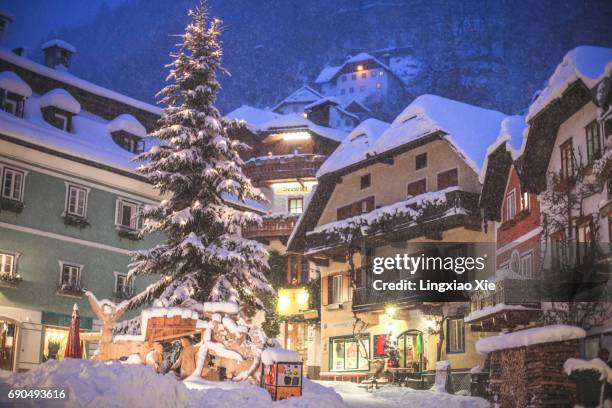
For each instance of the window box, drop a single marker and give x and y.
(74, 290)
(127, 233)
(9, 279)
(75, 221)
(11, 205)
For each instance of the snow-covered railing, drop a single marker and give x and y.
(283, 166)
(274, 225)
(423, 215)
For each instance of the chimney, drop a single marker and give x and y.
(58, 54)
(6, 19)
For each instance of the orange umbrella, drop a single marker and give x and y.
(73, 347)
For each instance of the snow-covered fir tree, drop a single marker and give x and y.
(197, 167)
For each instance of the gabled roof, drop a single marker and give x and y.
(293, 121)
(330, 100)
(586, 63)
(571, 87)
(253, 117)
(511, 133)
(330, 73)
(305, 94)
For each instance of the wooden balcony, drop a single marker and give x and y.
(368, 299)
(291, 166)
(458, 209)
(514, 302)
(272, 227)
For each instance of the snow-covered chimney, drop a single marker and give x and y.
(6, 19)
(58, 53)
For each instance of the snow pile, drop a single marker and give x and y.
(122, 385)
(221, 307)
(470, 129)
(355, 146)
(597, 364)
(11, 82)
(127, 123)
(392, 396)
(586, 63)
(528, 337)
(273, 355)
(253, 117)
(61, 99)
(59, 43)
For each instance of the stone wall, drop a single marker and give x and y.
(533, 375)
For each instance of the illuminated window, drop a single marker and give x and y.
(349, 354)
(510, 206)
(525, 201)
(378, 86)
(12, 184)
(76, 201)
(381, 73)
(359, 67)
(296, 205)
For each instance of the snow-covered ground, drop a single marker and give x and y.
(112, 385)
(392, 396)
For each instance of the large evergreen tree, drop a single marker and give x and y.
(197, 167)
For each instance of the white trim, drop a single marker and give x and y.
(519, 240)
(87, 183)
(68, 185)
(11, 102)
(73, 264)
(531, 256)
(130, 282)
(60, 237)
(15, 256)
(118, 206)
(506, 199)
(64, 119)
(14, 169)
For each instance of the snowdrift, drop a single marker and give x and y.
(109, 385)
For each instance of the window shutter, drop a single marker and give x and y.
(325, 290)
(117, 212)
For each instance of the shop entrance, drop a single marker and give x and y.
(8, 343)
(410, 346)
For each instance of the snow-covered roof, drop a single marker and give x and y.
(528, 337)
(597, 364)
(68, 78)
(328, 99)
(293, 120)
(355, 146)
(305, 94)
(11, 82)
(90, 139)
(327, 73)
(253, 117)
(61, 99)
(362, 56)
(58, 43)
(587, 63)
(273, 355)
(512, 132)
(469, 129)
(127, 123)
